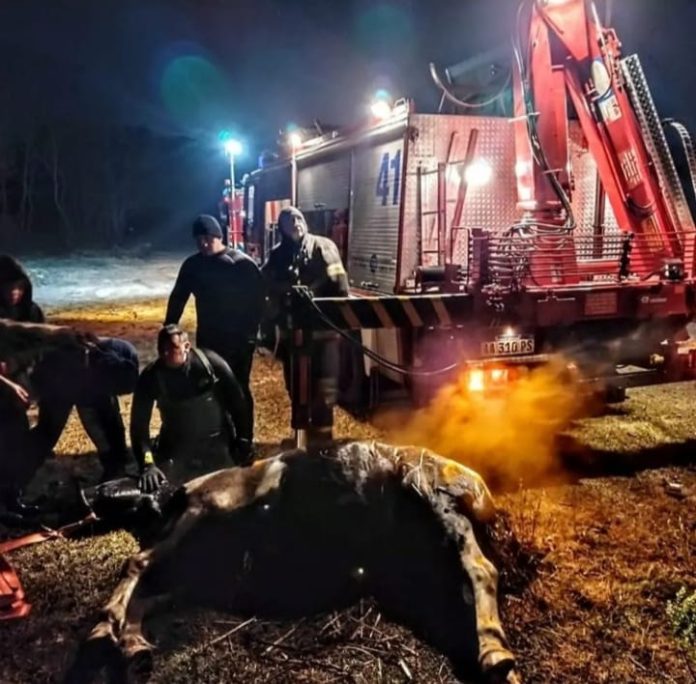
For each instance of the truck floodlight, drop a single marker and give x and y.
(295, 140)
(381, 109)
(478, 173)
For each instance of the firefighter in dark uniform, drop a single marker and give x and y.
(16, 293)
(90, 379)
(17, 304)
(313, 261)
(229, 294)
(14, 445)
(205, 422)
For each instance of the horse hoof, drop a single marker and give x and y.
(138, 659)
(498, 666)
(94, 655)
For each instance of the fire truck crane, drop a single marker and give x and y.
(481, 239)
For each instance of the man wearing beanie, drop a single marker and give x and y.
(229, 293)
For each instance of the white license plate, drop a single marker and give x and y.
(508, 346)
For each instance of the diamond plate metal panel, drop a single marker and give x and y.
(374, 217)
(491, 206)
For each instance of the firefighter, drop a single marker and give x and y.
(91, 381)
(14, 444)
(89, 377)
(16, 293)
(204, 415)
(60, 380)
(313, 261)
(228, 290)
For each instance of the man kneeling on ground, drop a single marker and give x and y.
(205, 422)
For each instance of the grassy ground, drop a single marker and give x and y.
(615, 538)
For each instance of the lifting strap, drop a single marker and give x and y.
(13, 603)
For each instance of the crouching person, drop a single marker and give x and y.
(91, 380)
(205, 421)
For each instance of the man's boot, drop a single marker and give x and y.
(319, 437)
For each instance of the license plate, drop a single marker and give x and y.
(508, 346)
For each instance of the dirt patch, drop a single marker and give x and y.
(607, 554)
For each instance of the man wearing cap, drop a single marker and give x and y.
(229, 293)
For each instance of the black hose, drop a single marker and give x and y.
(380, 360)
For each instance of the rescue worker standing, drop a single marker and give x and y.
(204, 414)
(313, 261)
(228, 290)
(16, 293)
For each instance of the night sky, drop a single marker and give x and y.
(194, 67)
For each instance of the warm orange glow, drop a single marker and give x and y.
(477, 381)
(498, 374)
(508, 436)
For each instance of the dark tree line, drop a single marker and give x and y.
(67, 185)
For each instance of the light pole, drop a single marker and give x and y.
(233, 148)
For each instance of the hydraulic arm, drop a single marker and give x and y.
(570, 54)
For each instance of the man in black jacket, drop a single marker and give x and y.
(229, 294)
(204, 414)
(313, 261)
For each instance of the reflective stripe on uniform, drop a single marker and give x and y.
(334, 270)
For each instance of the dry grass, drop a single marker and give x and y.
(613, 550)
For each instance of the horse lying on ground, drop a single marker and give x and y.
(304, 532)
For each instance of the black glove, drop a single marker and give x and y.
(242, 452)
(151, 479)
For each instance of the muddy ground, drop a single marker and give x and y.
(612, 544)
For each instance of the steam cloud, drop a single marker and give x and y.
(508, 435)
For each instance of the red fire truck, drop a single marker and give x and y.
(487, 238)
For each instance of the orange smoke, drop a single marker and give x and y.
(508, 435)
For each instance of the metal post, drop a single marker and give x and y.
(233, 202)
(300, 373)
(300, 385)
(293, 177)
